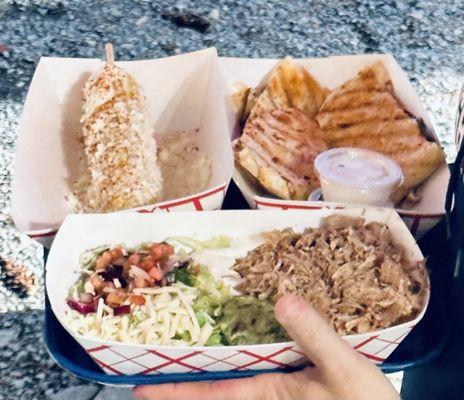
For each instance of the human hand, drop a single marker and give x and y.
(339, 372)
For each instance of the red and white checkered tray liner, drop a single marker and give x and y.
(418, 223)
(80, 232)
(117, 361)
(208, 200)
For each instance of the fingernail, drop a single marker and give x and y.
(287, 307)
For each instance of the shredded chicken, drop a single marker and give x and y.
(351, 272)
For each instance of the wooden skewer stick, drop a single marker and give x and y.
(109, 54)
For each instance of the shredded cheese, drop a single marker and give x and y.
(164, 319)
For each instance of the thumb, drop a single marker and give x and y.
(315, 337)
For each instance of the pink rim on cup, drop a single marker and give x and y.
(354, 175)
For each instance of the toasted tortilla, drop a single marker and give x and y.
(364, 113)
(278, 149)
(287, 86)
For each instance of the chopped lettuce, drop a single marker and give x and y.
(88, 258)
(216, 337)
(80, 287)
(204, 318)
(185, 336)
(217, 242)
(205, 281)
(212, 293)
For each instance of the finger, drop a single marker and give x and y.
(234, 389)
(314, 335)
(297, 385)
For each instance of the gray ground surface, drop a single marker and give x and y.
(426, 37)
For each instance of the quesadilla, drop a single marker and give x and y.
(288, 85)
(277, 149)
(364, 113)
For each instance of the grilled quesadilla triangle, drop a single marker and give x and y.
(281, 138)
(278, 149)
(287, 86)
(364, 113)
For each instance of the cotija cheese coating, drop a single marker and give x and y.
(120, 150)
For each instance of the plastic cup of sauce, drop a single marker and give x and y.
(353, 175)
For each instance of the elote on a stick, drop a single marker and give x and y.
(120, 150)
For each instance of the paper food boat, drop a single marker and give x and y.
(184, 93)
(82, 232)
(332, 72)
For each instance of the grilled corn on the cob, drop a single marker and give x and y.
(120, 150)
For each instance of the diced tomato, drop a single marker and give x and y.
(116, 298)
(196, 269)
(96, 281)
(147, 264)
(156, 273)
(160, 250)
(140, 283)
(116, 253)
(157, 251)
(134, 259)
(168, 249)
(125, 270)
(137, 300)
(104, 260)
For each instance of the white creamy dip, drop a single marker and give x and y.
(353, 175)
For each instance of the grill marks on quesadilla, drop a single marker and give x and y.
(281, 138)
(288, 86)
(278, 148)
(364, 113)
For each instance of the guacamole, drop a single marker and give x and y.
(248, 320)
(239, 320)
